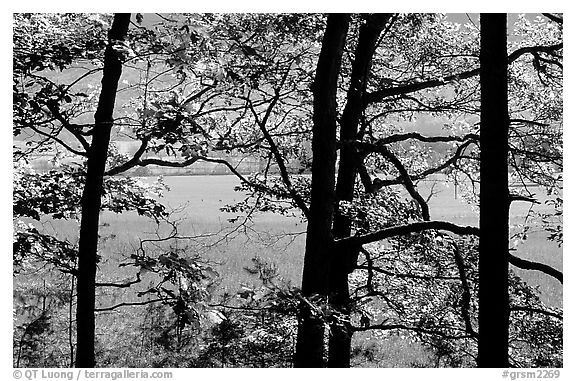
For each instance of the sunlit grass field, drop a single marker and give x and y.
(280, 240)
(196, 201)
(199, 199)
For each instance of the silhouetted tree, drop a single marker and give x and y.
(319, 241)
(344, 258)
(494, 308)
(91, 196)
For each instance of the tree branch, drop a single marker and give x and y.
(379, 95)
(72, 128)
(518, 197)
(414, 227)
(372, 268)
(59, 141)
(408, 184)
(384, 326)
(134, 161)
(427, 139)
(466, 294)
(536, 311)
(555, 18)
(457, 155)
(379, 148)
(274, 147)
(529, 265)
(121, 285)
(112, 308)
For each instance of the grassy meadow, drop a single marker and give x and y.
(199, 199)
(196, 201)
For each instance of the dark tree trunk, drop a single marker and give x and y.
(494, 309)
(310, 350)
(344, 258)
(91, 196)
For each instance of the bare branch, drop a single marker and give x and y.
(59, 141)
(466, 294)
(517, 197)
(121, 285)
(427, 139)
(197, 95)
(274, 148)
(112, 308)
(134, 161)
(72, 128)
(414, 227)
(529, 265)
(417, 227)
(408, 184)
(555, 18)
(166, 163)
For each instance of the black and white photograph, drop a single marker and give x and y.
(287, 190)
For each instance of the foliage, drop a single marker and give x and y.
(41, 325)
(424, 287)
(56, 195)
(239, 85)
(254, 327)
(258, 325)
(29, 346)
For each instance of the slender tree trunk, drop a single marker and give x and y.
(71, 320)
(344, 258)
(494, 308)
(310, 346)
(91, 196)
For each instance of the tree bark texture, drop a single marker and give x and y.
(345, 257)
(494, 308)
(310, 346)
(91, 196)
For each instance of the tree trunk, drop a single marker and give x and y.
(344, 258)
(310, 346)
(494, 309)
(91, 196)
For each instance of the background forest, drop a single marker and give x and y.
(279, 190)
